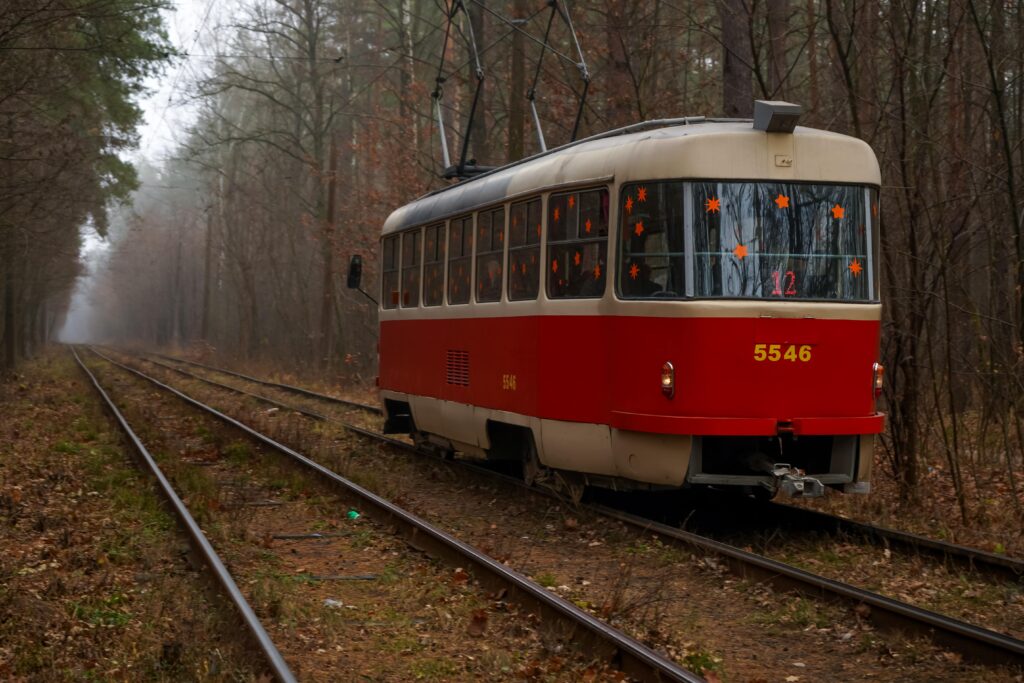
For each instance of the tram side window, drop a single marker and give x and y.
(524, 250)
(411, 268)
(490, 245)
(577, 244)
(653, 221)
(433, 266)
(460, 254)
(389, 273)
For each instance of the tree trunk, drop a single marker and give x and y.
(327, 248)
(204, 332)
(778, 20)
(478, 136)
(737, 84)
(517, 91)
(618, 97)
(10, 313)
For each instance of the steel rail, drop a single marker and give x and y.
(981, 644)
(972, 558)
(975, 559)
(243, 392)
(978, 643)
(287, 387)
(362, 431)
(199, 540)
(632, 657)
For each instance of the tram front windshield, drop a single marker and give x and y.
(712, 239)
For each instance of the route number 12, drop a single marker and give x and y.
(790, 283)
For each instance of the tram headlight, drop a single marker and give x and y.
(668, 379)
(878, 371)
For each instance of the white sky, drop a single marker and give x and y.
(167, 116)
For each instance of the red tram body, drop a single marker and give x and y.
(667, 305)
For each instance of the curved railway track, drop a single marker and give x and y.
(629, 655)
(978, 643)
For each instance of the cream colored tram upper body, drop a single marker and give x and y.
(730, 150)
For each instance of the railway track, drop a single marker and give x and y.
(376, 410)
(801, 519)
(972, 641)
(629, 655)
(199, 541)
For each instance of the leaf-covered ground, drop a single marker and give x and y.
(96, 582)
(689, 607)
(355, 603)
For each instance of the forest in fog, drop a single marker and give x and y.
(315, 120)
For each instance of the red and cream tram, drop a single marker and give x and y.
(679, 303)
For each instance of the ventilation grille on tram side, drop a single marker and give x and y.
(457, 368)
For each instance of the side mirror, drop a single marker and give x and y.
(355, 272)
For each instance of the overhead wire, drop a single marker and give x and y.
(515, 26)
(177, 75)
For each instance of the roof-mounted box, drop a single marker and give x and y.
(773, 116)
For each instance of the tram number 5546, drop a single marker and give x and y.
(774, 353)
(508, 382)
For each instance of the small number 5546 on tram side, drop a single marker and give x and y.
(680, 303)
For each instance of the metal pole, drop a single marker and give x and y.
(536, 123)
(440, 129)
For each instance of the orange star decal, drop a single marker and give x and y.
(597, 272)
(554, 266)
(634, 271)
(782, 201)
(641, 194)
(629, 205)
(639, 230)
(572, 200)
(740, 251)
(557, 213)
(713, 205)
(587, 225)
(838, 212)
(576, 258)
(855, 267)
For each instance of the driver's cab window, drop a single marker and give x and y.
(652, 233)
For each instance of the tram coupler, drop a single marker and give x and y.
(794, 483)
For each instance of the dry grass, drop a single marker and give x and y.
(412, 620)
(94, 579)
(994, 522)
(688, 607)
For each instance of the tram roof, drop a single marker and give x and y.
(695, 148)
